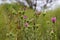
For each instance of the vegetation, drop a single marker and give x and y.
(21, 23)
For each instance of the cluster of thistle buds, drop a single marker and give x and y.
(22, 17)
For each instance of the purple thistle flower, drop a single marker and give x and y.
(25, 17)
(53, 19)
(26, 24)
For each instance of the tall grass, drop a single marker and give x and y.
(40, 28)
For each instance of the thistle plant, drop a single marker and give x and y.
(53, 19)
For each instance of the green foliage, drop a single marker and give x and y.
(40, 27)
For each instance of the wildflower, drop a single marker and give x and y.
(25, 17)
(53, 19)
(26, 24)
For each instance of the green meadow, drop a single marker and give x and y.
(40, 27)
